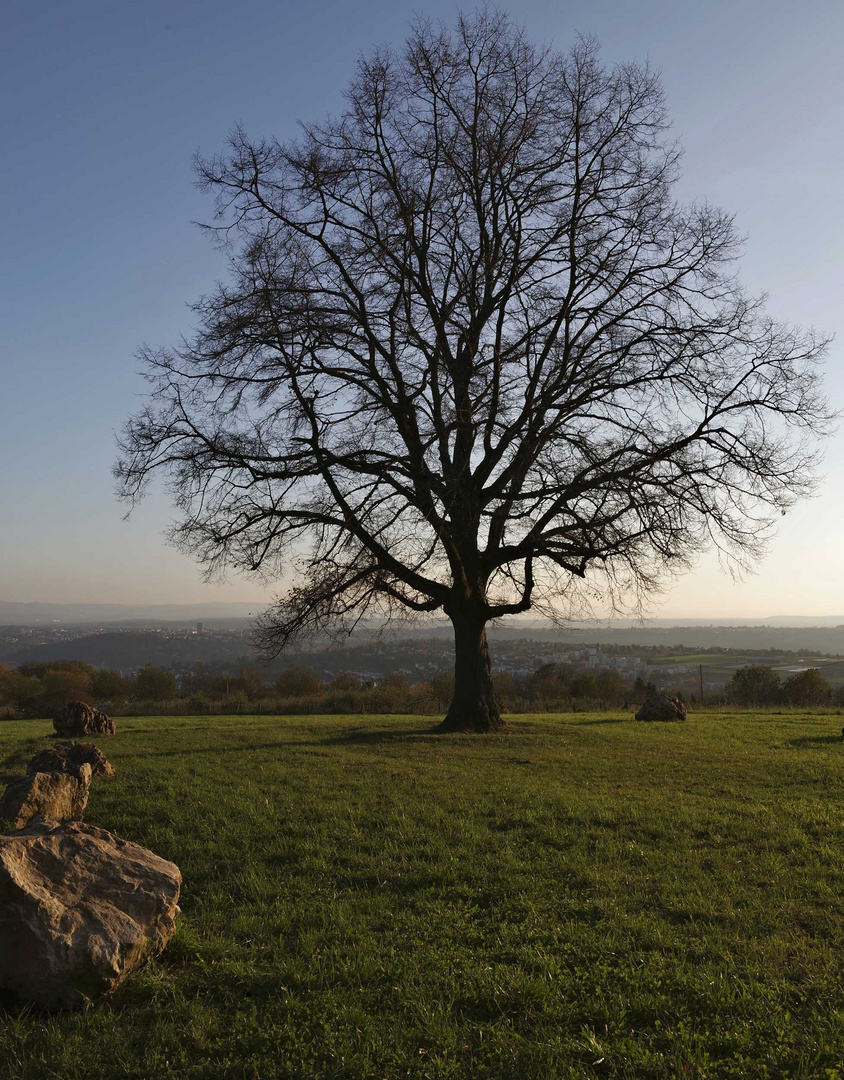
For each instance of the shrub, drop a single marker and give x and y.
(807, 688)
(755, 684)
(298, 681)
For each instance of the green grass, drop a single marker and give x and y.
(583, 896)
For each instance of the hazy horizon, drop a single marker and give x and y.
(18, 613)
(102, 255)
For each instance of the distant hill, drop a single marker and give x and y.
(419, 657)
(15, 614)
(128, 636)
(819, 639)
(128, 650)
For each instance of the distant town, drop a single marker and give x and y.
(688, 659)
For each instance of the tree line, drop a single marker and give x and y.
(39, 689)
(759, 685)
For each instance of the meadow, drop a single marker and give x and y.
(582, 896)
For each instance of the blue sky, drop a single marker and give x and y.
(104, 106)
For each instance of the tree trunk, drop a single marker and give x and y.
(474, 706)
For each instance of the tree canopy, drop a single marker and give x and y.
(755, 684)
(758, 684)
(472, 355)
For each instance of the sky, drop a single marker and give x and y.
(105, 103)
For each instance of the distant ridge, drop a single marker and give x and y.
(683, 620)
(13, 613)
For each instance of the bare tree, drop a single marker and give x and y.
(472, 355)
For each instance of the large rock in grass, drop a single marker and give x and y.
(80, 910)
(61, 796)
(68, 756)
(661, 708)
(78, 718)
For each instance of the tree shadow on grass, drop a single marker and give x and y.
(596, 723)
(363, 735)
(349, 739)
(816, 740)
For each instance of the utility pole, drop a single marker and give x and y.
(700, 670)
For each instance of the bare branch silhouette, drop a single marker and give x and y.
(472, 355)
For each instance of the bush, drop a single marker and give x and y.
(155, 684)
(299, 681)
(807, 688)
(754, 685)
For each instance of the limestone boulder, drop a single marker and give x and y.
(78, 718)
(80, 910)
(60, 796)
(68, 756)
(660, 708)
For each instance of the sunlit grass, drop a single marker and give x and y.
(581, 896)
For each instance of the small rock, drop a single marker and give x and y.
(59, 796)
(661, 707)
(79, 910)
(78, 718)
(68, 756)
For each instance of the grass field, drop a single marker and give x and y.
(583, 896)
(722, 666)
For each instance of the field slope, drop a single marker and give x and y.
(583, 896)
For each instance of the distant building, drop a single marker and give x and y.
(199, 628)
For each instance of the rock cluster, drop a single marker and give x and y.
(56, 784)
(59, 796)
(78, 718)
(80, 909)
(66, 757)
(661, 707)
